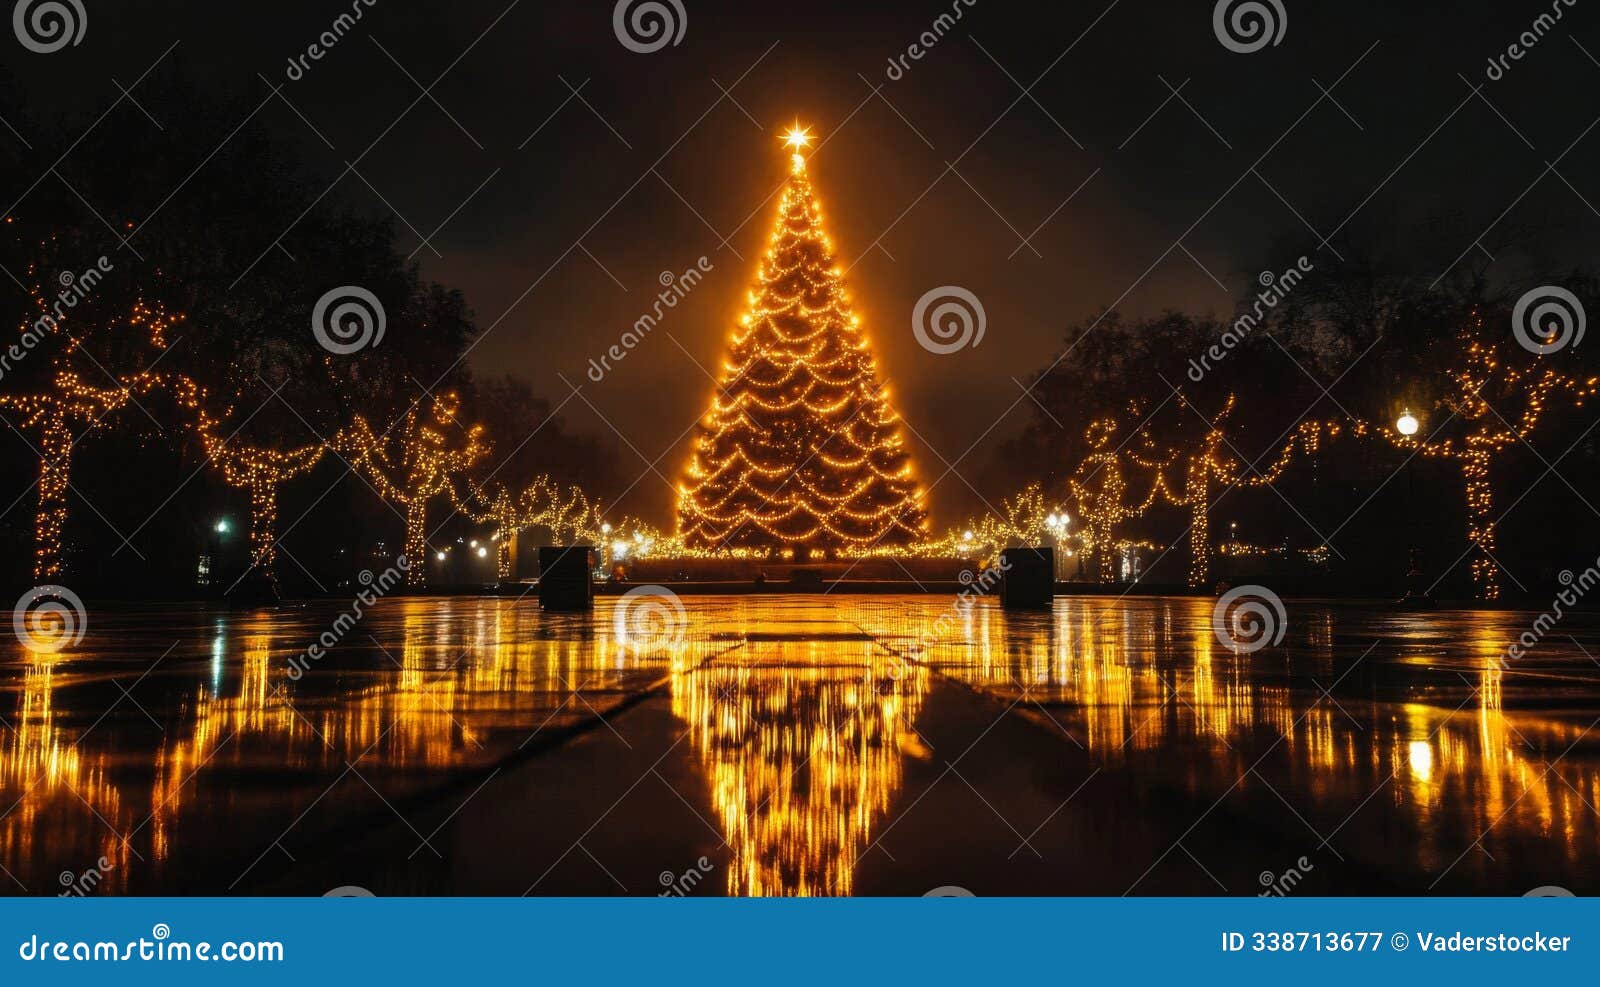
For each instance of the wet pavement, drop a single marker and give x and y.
(801, 745)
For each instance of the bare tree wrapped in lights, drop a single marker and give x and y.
(259, 472)
(1020, 519)
(1100, 488)
(413, 461)
(800, 448)
(72, 402)
(542, 503)
(1494, 398)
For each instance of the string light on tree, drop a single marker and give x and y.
(1216, 460)
(71, 402)
(568, 513)
(259, 472)
(800, 449)
(1497, 404)
(415, 460)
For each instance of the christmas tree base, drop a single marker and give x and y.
(779, 575)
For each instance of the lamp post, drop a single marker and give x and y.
(1408, 426)
(1057, 523)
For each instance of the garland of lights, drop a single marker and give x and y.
(1213, 460)
(542, 502)
(800, 448)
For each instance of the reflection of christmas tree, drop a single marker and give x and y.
(803, 764)
(800, 446)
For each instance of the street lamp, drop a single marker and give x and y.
(1408, 426)
(222, 526)
(1057, 523)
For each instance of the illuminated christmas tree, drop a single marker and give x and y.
(800, 448)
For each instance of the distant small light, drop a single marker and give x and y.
(1408, 424)
(482, 552)
(222, 526)
(439, 556)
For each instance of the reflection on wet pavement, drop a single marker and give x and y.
(803, 748)
(805, 741)
(1355, 706)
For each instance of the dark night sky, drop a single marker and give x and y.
(560, 251)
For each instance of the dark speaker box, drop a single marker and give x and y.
(564, 579)
(1028, 578)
